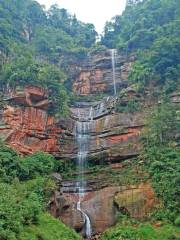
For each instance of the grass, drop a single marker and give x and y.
(48, 228)
(127, 230)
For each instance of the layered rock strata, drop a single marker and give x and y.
(95, 75)
(25, 123)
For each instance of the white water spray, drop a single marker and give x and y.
(113, 60)
(82, 129)
(91, 114)
(86, 219)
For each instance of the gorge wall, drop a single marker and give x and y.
(95, 74)
(25, 123)
(116, 183)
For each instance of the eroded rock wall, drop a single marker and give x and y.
(25, 123)
(114, 137)
(104, 205)
(96, 75)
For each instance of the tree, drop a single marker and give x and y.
(162, 124)
(17, 207)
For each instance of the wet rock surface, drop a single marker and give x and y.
(104, 205)
(96, 76)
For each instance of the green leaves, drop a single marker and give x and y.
(151, 30)
(25, 70)
(162, 159)
(37, 164)
(25, 190)
(48, 228)
(163, 165)
(12, 166)
(17, 207)
(162, 123)
(127, 230)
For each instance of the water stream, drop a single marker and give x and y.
(82, 135)
(88, 229)
(113, 59)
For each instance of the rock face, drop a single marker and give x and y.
(96, 74)
(103, 206)
(114, 137)
(136, 200)
(25, 125)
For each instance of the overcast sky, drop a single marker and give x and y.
(92, 11)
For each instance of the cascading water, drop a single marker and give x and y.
(88, 230)
(82, 130)
(91, 114)
(113, 60)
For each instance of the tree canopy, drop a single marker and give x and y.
(149, 29)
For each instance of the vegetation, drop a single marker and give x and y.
(132, 230)
(48, 228)
(48, 33)
(161, 157)
(36, 47)
(149, 29)
(26, 187)
(131, 106)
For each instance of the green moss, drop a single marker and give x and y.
(48, 228)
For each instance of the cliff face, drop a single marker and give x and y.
(95, 76)
(25, 124)
(114, 136)
(114, 142)
(104, 205)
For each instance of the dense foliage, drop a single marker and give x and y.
(161, 156)
(160, 159)
(49, 33)
(26, 187)
(36, 47)
(162, 164)
(133, 230)
(24, 70)
(12, 166)
(149, 28)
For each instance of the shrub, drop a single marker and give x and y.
(177, 221)
(37, 164)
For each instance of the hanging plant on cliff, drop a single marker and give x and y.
(25, 70)
(58, 100)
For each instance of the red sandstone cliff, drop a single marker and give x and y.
(96, 75)
(27, 127)
(25, 123)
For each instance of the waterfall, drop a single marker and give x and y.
(113, 59)
(91, 114)
(88, 230)
(82, 135)
(101, 107)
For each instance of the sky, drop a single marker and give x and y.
(90, 11)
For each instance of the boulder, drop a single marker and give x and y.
(137, 201)
(103, 205)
